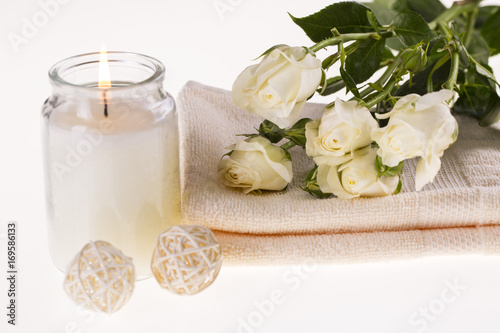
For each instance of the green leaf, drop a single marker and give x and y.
(388, 54)
(479, 100)
(394, 43)
(411, 28)
(386, 3)
(478, 48)
(483, 70)
(484, 14)
(429, 9)
(373, 20)
(365, 61)
(492, 113)
(383, 13)
(300, 124)
(473, 99)
(400, 5)
(490, 30)
(346, 17)
(349, 83)
(333, 85)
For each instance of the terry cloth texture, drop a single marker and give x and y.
(458, 213)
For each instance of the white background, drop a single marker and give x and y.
(195, 42)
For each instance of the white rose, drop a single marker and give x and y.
(342, 129)
(419, 126)
(356, 178)
(256, 164)
(278, 87)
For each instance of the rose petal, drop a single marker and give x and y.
(432, 99)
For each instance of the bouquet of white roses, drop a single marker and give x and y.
(436, 62)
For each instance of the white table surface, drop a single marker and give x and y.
(195, 42)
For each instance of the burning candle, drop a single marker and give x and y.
(111, 156)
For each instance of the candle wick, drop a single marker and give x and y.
(105, 104)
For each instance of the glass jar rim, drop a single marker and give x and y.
(156, 67)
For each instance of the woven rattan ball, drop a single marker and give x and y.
(101, 277)
(186, 259)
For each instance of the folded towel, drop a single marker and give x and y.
(461, 206)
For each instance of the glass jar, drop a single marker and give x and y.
(111, 156)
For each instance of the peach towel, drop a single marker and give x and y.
(458, 213)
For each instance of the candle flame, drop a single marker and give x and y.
(104, 77)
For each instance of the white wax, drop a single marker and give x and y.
(114, 179)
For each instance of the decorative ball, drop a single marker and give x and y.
(100, 277)
(186, 259)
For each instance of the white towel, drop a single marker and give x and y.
(293, 226)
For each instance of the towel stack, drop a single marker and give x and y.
(458, 213)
